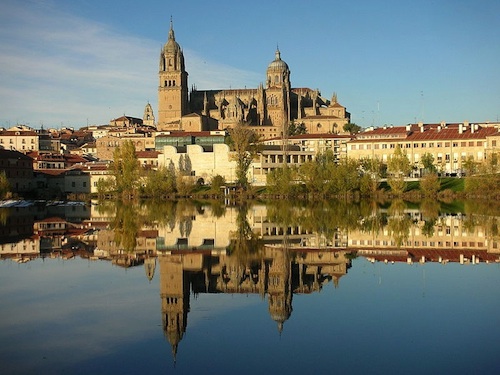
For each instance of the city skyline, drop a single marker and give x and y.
(73, 64)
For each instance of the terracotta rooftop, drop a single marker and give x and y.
(147, 154)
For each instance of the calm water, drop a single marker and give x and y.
(249, 291)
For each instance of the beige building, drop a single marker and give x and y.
(268, 109)
(205, 161)
(106, 145)
(19, 140)
(450, 144)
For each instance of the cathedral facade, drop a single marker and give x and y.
(268, 109)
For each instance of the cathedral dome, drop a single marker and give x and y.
(278, 64)
(171, 46)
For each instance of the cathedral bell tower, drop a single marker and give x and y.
(278, 92)
(172, 89)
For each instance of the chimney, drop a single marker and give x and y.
(460, 128)
(472, 128)
(439, 128)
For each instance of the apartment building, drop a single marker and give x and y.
(450, 144)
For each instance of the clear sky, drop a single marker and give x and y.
(72, 63)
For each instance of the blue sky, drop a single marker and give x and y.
(69, 63)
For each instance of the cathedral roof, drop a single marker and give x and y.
(171, 46)
(277, 64)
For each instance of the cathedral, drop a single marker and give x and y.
(267, 109)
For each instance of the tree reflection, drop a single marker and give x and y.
(399, 222)
(429, 209)
(245, 244)
(373, 220)
(126, 225)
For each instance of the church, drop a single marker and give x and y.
(267, 109)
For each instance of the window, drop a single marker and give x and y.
(431, 144)
(447, 144)
(455, 144)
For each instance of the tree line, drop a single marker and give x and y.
(324, 176)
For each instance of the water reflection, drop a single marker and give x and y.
(275, 251)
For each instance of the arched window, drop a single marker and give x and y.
(276, 79)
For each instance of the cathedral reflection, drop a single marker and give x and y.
(278, 273)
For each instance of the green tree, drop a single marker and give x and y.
(4, 185)
(216, 183)
(311, 175)
(470, 166)
(105, 186)
(398, 167)
(282, 181)
(352, 128)
(185, 185)
(160, 182)
(427, 161)
(372, 172)
(429, 185)
(125, 168)
(343, 177)
(244, 143)
(296, 129)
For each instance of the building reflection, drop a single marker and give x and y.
(271, 251)
(278, 273)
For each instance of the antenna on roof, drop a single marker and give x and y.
(422, 106)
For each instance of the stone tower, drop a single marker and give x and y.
(148, 118)
(174, 293)
(173, 86)
(278, 92)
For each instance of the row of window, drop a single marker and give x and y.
(419, 243)
(23, 141)
(377, 146)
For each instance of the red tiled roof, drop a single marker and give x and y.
(147, 154)
(205, 133)
(51, 172)
(17, 133)
(431, 132)
(313, 136)
(450, 133)
(319, 117)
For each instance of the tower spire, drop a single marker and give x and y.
(171, 34)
